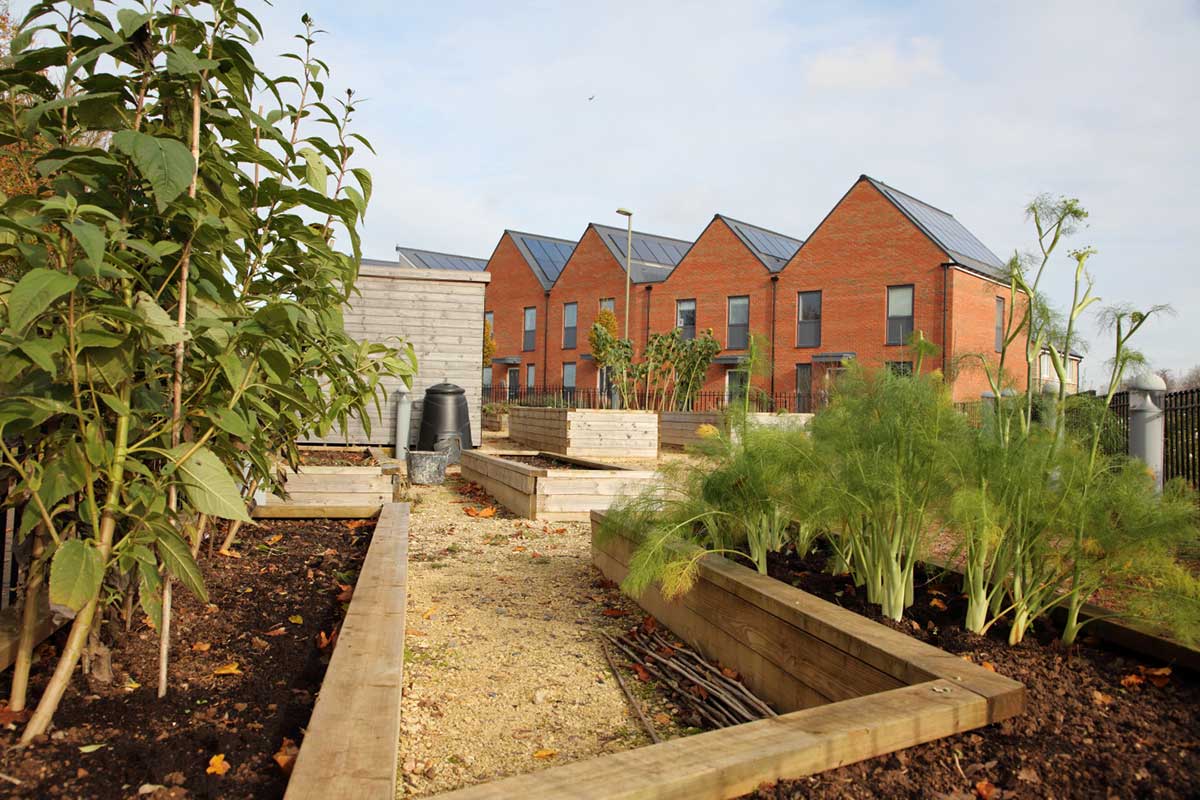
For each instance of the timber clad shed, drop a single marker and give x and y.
(439, 310)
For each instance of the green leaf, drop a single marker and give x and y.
(90, 237)
(181, 61)
(148, 593)
(42, 352)
(75, 574)
(62, 477)
(34, 293)
(316, 175)
(231, 422)
(115, 403)
(208, 484)
(165, 329)
(166, 163)
(131, 20)
(177, 557)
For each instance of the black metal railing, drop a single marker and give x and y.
(576, 397)
(1181, 436)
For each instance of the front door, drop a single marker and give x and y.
(514, 382)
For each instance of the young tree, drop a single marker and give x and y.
(178, 304)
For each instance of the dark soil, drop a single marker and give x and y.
(294, 569)
(336, 458)
(1097, 725)
(547, 462)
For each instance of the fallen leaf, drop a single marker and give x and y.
(1101, 699)
(347, 592)
(729, 673)
(326, 642)
(296, 619)
(546, 752)
(1130, 681)
(217, 765)
(560, 530)
(1028, 775)
(490, 511)
(989, 666)
(228, 669)
(649, 624)
(286, 757)
(661, 719)
(276, 632)
(1159, 676)
(8, 716)
(984, 790)
(90, 748)
(938, 604)
(429, 612)
(519, 548)
(276, 539)
(229, 553)
(202, 647)
(642, 673)
(614, 612)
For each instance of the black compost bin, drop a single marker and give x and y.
(444, 414)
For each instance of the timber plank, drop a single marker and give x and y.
(340, 755)
(732, 762)
(303, 511)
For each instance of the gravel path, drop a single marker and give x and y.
(504, 673)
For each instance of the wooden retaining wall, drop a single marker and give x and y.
(350, 744)
(678, 428)
(550, 494)
(335, 486)
(586, 432)
(898, 693)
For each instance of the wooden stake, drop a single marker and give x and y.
(633, 703)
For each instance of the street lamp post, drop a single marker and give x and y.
(628, 215)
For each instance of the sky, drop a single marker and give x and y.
(546, 116)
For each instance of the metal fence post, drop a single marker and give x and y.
(1146, 395)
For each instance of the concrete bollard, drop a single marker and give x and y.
(1049, 407)
(1146, 396)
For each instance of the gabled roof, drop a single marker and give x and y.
(773, 249)
(653, 256)
(945, 231)
(430, 259)
(545, 255)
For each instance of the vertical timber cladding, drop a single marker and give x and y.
(439, 312)
(586, 432)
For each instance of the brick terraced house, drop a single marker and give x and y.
(880, 266)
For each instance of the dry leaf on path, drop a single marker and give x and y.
(546, 752)
(661, 719)
(1101, 699)
(1131, 681)
(286, 757)
(938, 604)
(201, 647)
(989, 666)
(217, 765)
(429, 612)
(985, 790)
(276, 632)
(1159, 676)
(614, 612)
(229, 553)
(642, 673)
(228, 669)
(276, 539)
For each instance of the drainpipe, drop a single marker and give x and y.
(945, 314)
(545, 338)
(647, 340)
(774, 287)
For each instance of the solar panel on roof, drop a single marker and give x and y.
(944, 228)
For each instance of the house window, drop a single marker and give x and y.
(735, 385)
(527, 342)
(737, 333)
(530, 376)
(1073, 372)
(568, 381)
(1046, 368)
(570, 313)
(899, 314)
(808, 319)
(487, 378)
(685, 318)
(803, 388)
(900, 367)
(999, 324)
(514, 383)
(608, 304)
(490, 318)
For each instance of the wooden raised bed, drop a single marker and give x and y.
(861, 690)
(567, 493)
(678, 428)
(332, 486)
(350, 745)
(586, 432)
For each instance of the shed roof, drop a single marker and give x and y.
(545, 255)
(653, 256)
(945, 231)
(773, 249)
(431, 259)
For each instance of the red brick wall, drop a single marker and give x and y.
(590, 274)
(972, 334)
(717, 267)
(865, 245)
(513, 287)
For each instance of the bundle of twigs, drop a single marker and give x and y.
(714, 694)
